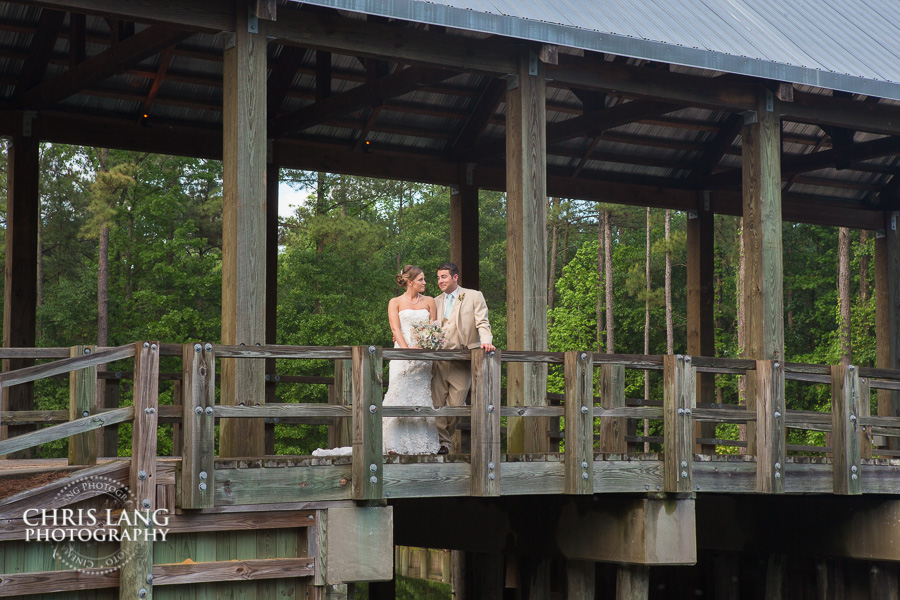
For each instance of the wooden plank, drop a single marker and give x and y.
(20, 280)
(368, 476)
(46, 582)
(340, 434)
(701, 338)
(579, 404)
(430, 479)
(485, 459)
(293, 352)
(770, 428)
(236, 487)
(679, 399)
(244, 232)
(64, 430)
(763, 274)
(82, 403)
(232, 570)
(612, 396)
(142, 481)
(66, 365)
(845, 429)
(526, 221)
(197, 477)
(317, 546)
(348, 559)
(632, 582)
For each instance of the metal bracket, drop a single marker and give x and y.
(532, 63)
(512, 82)
(693, 214)
(28, 118)
(470, 174)
(252, 21)
(750, 117)
(229, 40)
(770, 101)
(894, 222)
(706, 200)
(454, 190)
(880, 234)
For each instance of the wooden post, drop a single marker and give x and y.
(82, 403)
(770, 429)
(534, 578)
(368, 460)
(701, 337)
(580, 580)
(845, 429)
(612, 395)
(485, 575)
(142, 481)
(109, 442)
(632, 582)
(340, 434)
(244, 231)
(526, 220)
(272, 175)
(195, 485)
(20, 283)
(763, 277)
(775, 576)
(887, 314)
(464, 228)
(865, 410)
(485, 480)
(579, 374)
(679, 398)
(177, 431)
(884, 581)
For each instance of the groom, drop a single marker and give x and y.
(464, 318)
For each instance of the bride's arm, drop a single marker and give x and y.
(394, 320)
(432, 309)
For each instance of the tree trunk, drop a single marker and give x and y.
(647, 329)
(610, 325)
(554, 242)
(600, 273)
(844, 292)
(670, 326)
(863, 266)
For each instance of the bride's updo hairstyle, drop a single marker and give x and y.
(407, 275)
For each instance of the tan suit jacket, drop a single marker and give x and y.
(468, 325)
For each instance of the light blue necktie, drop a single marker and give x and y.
(448, 306)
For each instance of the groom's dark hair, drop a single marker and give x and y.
(449, 266)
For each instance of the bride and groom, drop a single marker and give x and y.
(463, 315)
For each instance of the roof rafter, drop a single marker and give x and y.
(133, 49)
(282, 76)
(41, 50)
(481, 114)
(717, 149)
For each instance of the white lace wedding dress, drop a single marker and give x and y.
(409, 385)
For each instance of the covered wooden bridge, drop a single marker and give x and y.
(789, 115)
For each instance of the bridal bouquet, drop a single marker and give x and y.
(428, 335)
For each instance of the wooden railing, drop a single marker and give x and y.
(596, 456)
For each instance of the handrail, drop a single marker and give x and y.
(65, 365)
(64, 430)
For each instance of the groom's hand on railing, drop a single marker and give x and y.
(488, 347)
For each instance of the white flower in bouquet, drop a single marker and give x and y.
(429, 335)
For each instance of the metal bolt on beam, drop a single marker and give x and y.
(198, 410)
(197, 347)
(208, 346)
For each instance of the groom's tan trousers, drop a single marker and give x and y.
(450, 383)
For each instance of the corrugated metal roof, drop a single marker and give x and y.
(849, 45)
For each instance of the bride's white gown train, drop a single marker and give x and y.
(409, 385)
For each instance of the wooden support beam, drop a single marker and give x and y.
(142, 480)
(485, 423)
(884, 581)
(865, 410)
(580, 580)
(368, 460)
(82, 403)
(716, 149)
(20, 280)
(77, 41)
(132, 50)
(479, 117)
(770, 428)
(763, 273)
(272, 180)
(164, 62)
(526, 206)
(348, 559)
(323, 75)
(775, 570)
(464, 230)
(579, 406)
(341, 433)
(679, 400)
(362, 96)
(612, 395)
(632, 582)
(485, 575)
(845, 429)
(887, 313)
(41, 49)
(244, 234)
(197, 475)
(282, 77)
(701, 335)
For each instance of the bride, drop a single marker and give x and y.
(409, 380)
